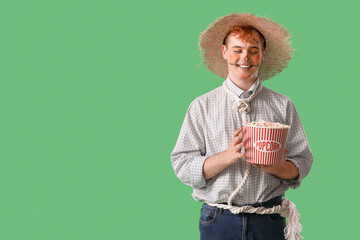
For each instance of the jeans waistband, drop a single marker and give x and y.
(267, 204)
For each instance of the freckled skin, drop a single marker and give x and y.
(250, 53)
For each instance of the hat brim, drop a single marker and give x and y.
(277, 53)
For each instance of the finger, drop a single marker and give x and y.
(284, 160)
(256, 165)
(241, 155)
(237, 139)
(241, 136)
(239, 146)
(237, 131)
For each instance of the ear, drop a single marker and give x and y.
(224, 52)
(262, 55)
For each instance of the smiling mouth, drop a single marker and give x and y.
(245, 67)
(242, 66)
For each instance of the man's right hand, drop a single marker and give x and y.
(218, 162)
(233, 153)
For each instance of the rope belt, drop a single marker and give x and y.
(287, 208)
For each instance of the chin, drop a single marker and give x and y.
(244, 77)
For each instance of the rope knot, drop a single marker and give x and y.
(241, 104)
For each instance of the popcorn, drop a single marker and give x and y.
(267, 124)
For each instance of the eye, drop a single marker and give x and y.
(254, 52)
(238, 51)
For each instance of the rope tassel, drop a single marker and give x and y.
(293, 228)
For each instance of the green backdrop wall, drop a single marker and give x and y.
(93, 95)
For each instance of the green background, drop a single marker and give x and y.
(93, 95)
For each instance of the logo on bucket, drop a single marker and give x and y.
(267, 146)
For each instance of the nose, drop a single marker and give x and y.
(245, 56)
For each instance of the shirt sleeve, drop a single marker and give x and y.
(188, 156)
(298, 149)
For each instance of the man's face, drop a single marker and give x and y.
(248, 55)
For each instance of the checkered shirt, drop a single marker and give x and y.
(208, 128)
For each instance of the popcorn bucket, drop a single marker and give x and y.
(264, 145)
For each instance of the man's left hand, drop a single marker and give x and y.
(284, 170)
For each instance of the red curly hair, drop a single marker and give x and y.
(244, 32)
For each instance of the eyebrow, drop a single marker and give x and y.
(243, 47)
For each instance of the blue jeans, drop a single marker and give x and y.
(220, 224)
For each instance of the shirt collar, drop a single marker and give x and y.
(238, 91)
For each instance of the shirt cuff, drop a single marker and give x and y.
(197, 177)
(294, 183)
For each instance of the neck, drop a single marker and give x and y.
(243, 84)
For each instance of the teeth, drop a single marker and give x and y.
(244, 66)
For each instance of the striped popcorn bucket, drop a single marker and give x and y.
(264, 145)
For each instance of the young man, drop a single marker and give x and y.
(209, 153)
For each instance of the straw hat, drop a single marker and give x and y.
(277, 52)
